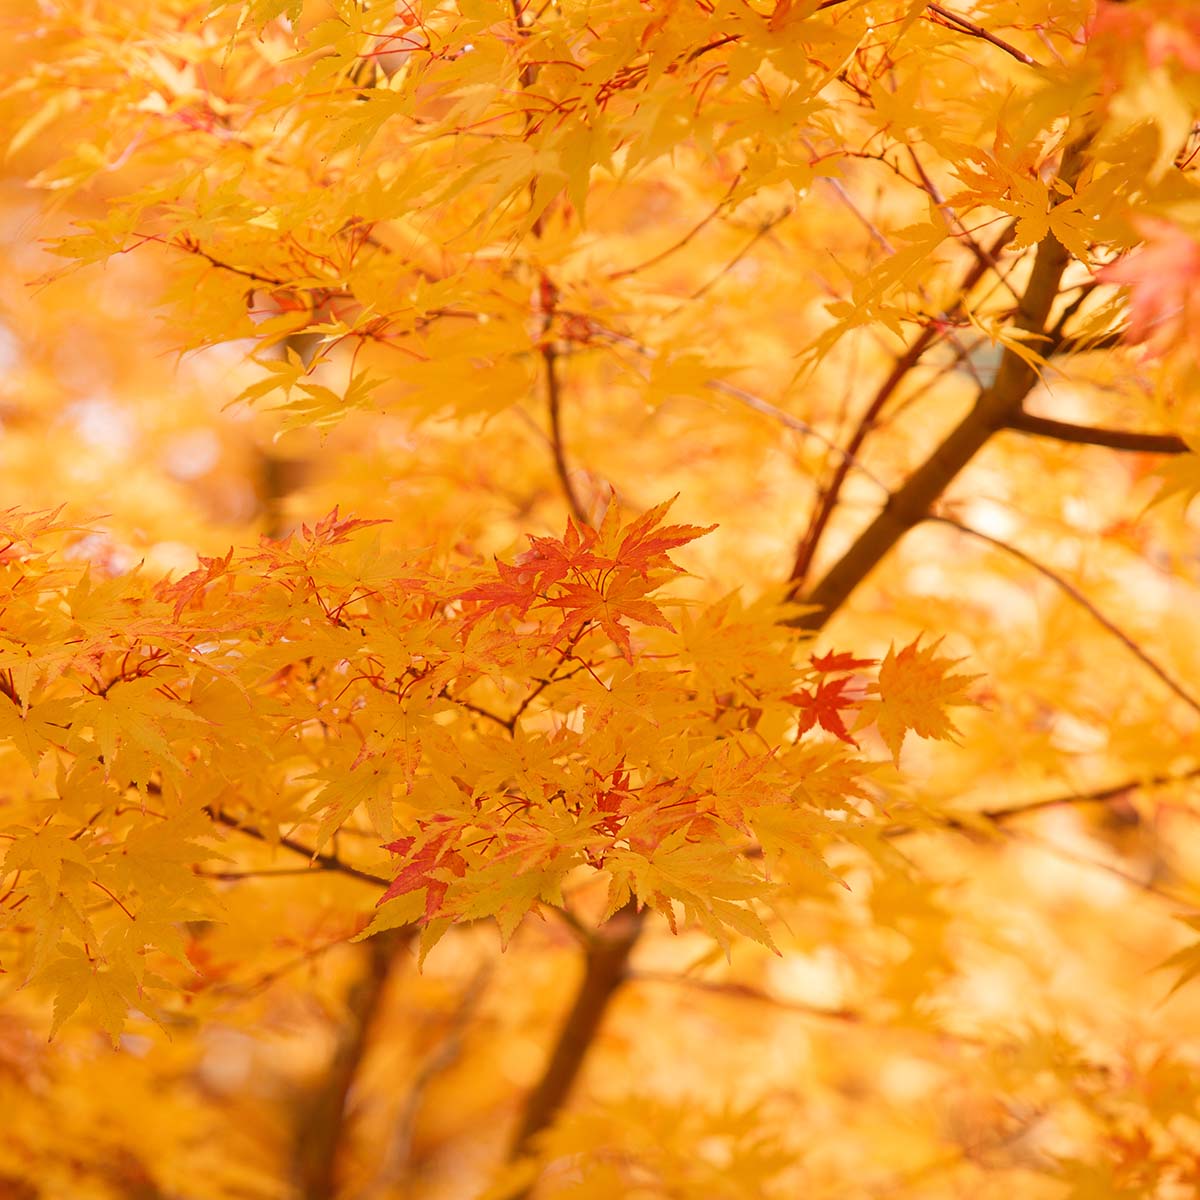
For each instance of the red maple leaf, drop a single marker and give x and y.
(839, 662)
(1163, 278)
(621, 598)
(332, 529)
(418, 872)
(516, 587)
(644, 543)
(192, 585)
(821, 707)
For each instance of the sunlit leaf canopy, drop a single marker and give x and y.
(673, 512)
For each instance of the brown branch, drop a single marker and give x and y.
(978, 31)
(262, 873)
(1102, 795)
(605, 969)
(900, 370)
(993, 409)
(321, 1129)
(1086, 435)
(683, 241)
(1071, 590)
(554, 405)
(398, 1154)
(326, 862)
(1143, 885)
(743, 991)
(192, 247)
(1000, 816)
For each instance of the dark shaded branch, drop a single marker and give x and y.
(993, 410)
(1103, 795)
(1068, 855)
(605, 966)
(1088, 345)
(397, 1157)
(743, 991)
(1085, 435)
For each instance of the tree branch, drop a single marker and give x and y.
(554, 405)
(322, 1126)
(978, 31)
(899, 372)
(605, 965)
(1071, 590)
(743, 991)
(1085, 435)
(326, 862)
(993, 409)
(999, 816)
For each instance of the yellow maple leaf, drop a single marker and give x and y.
(914, 691)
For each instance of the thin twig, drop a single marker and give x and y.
(978, 31)
(760, 233)
(750, 400)
(654, 259)
(998, 816)
(1071, 590)
(554, 405)
(743, 991)
(955, 221)
(327, 862)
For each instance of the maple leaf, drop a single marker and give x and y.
(1163, 278)
(1181, 475)
(914, 692)
(193, 585)
(1185, 961)
(333, 529)
(644, 543)
(517, 588)
(109, 990)
(29, 732)
(622, 597)
(839, 662)
(821, 706)
(425, 868)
